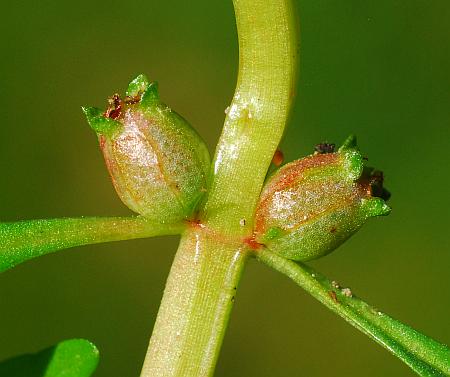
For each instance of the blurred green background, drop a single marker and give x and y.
(379, 69)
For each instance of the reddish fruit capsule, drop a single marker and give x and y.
(311, 206)
(158, 164)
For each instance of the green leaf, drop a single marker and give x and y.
(24, 240)
(422, 354)
(69, 358)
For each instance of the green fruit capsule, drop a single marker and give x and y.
(158, 164)
(311, 206)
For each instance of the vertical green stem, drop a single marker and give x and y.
(258, 112)
(201, 286)
(195, 308)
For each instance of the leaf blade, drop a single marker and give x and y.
(422, 354)
(24, 240)
(69, 358)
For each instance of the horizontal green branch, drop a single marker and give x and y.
(422, 354)
(24, 240)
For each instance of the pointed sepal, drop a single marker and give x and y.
(373, 207)
(150, 97)
(99, 123)
(137, 86)
(349, 143)
(352, 158)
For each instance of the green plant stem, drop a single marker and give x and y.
(195, 308)
(422, 354)
(200, 289)
(258, 113)
(24, 240)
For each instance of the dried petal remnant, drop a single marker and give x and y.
(114, 107)
(323, 148)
